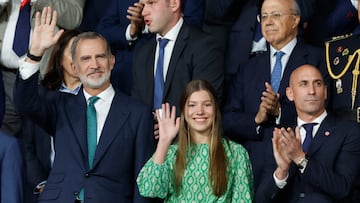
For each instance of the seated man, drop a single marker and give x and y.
(316, 164)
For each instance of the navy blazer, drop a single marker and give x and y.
(126, 143)
(193, 57)
(334, 164)
(12, 170)
(244, 96)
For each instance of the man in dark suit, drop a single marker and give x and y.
(123, 26)
(98, 168)
(244, 37)
(12, 170)
(319, 164)
(189, 54)
(253, 107)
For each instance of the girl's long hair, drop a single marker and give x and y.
(217, 159)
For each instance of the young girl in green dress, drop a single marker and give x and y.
(202, 166)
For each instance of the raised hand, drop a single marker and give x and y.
(44, 35)
(168, 128)
(136, 19)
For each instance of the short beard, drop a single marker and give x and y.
(95, 83)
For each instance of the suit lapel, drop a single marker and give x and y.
(179, 46)
(116, 118)
(74, 107)
(325, 130)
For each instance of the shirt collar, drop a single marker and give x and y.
(105, 95)
(287, 49)
(317, 120)
(64, 88)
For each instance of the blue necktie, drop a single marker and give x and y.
(159, 75)
(22, 31)
(276, 73)
(308, 137)
(91, 129)
(91, 136)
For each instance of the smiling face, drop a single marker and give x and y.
(93, 63)
(308, 91)
(199, 114)
(281, 29)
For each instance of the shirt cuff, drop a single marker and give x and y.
(277, 120)
(280, 183)
(127, 34)
(26, 69)
(355, 3)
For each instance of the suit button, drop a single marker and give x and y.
(302, 195)
(87, 175)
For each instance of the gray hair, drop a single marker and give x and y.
(87, 35)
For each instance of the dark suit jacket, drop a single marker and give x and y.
(244, 96)
(12, 170)
(126, 143)
(334, 164)
(36, 149)
(193, 57)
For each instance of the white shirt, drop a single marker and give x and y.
(285, 58)
(102, 107)
(354, 3)
(171, 36)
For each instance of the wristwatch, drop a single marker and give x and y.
(302, 163)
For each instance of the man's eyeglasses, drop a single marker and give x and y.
(275, 15)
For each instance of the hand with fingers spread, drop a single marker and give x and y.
(168, 128)
(136, 19)
(44, 35)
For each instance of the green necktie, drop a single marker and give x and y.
(91, 135)
(91, 129)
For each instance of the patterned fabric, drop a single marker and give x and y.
(156, 180)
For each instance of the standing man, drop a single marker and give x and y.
(256, 102)
(161, 72)
(102, 137)
(319, 160)
(15, 29)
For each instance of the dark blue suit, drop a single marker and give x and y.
(12, 170)
(126, 143)
(244, 96)
(193, 57)
(334, 164)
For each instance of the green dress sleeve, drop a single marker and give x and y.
(155, 180)
(241, 173)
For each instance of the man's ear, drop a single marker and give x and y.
(175, 4)
(289, 94)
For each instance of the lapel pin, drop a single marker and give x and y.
(327, 133)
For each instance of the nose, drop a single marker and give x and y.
(144, 12)
(311, 89)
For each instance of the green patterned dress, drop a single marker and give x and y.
(156, 180)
